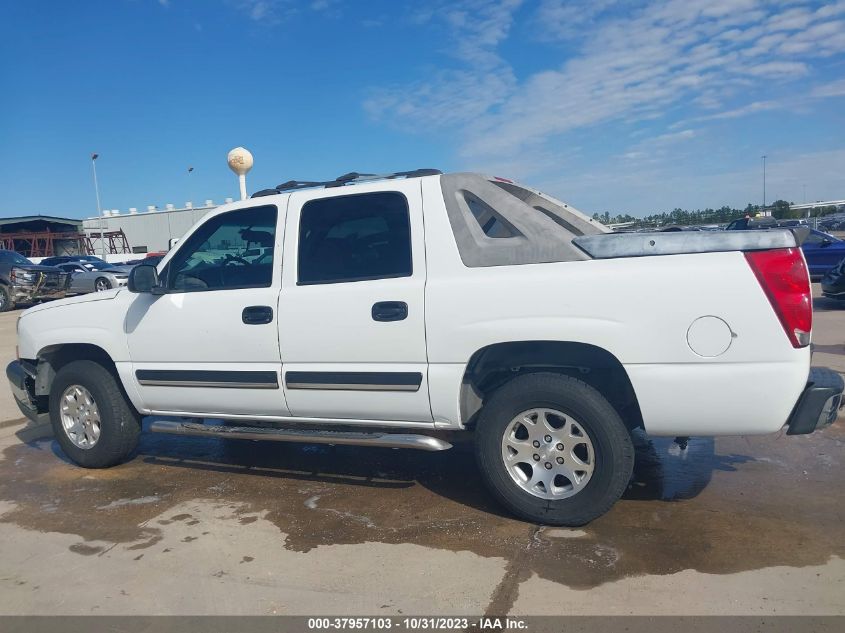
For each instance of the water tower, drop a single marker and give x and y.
(240, 161)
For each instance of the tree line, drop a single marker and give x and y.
(682, 217)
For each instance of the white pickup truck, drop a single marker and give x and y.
(380, 311)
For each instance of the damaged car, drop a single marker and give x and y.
(21, 281)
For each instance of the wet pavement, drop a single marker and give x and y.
(741, 524)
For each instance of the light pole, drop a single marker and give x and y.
(102, 222)
(764, 182)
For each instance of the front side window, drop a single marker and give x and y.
(818, 238)
(354, 238)
(231, 250)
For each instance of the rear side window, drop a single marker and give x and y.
(354, 238)
(490, 221)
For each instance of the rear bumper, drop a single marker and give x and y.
(819, 403)
(21, 390)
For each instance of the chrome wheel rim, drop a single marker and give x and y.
(548, 454)
(80, 417)
(101, 284)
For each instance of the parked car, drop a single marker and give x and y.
(21, 281)
(420, 303)
(64, 259)
(745, 224)
(91, 276)
(823, 252)
(833, 283)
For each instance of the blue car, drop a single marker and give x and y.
(822, 252)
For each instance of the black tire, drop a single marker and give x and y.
(7, 301)
(120, 424)
(104, 281)
(612, 445)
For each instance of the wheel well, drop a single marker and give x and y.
(491, 367)
(51, 359)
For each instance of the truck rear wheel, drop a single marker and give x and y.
(553, 450)
(91, 418)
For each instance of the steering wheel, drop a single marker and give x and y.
(235, 258)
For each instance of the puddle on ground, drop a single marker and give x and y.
(719, 507)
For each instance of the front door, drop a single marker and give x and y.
(209, 345)
(351, 313)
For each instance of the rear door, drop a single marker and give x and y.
(351, 313)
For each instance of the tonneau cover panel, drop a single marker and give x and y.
(611, 245)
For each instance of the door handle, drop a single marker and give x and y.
(390, 311)
(257, 315)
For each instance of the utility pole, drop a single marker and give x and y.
(102, 222)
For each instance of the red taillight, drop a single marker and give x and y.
(783, 277)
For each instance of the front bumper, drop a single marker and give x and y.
(23, 387)
(28, 292)
(819, 403)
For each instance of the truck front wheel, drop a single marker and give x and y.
(553, 450)
(7, 299)
(91, 418)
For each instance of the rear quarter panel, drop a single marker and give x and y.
(638, 309)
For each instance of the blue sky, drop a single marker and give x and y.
(620, 106)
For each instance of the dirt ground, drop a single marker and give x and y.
(742, 525)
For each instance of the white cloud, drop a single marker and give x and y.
(624, 62)
(674, 137)
(778, 69)
(261, 10)
(273, 12)
(475, 27)
(832, 89)
(751, 108)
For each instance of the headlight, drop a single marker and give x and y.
(21, 276)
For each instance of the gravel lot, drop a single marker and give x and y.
(192, 526)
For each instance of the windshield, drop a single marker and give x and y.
(14, 258)
(96, 265)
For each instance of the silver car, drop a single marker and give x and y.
(92, 276)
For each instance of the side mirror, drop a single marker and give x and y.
(826, 242)
(143, 278)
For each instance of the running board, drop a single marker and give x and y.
(383, 440)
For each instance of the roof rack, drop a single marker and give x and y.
(351, 178)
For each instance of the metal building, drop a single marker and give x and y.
(149, 231)
(42, 235)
